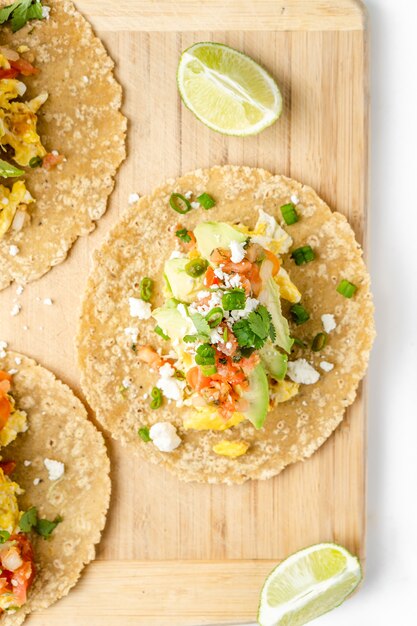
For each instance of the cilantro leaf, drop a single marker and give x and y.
(20, 12)
(28, 519)
(255, 330)
(4, 535)
(45, 527)
(259, 322)
(182, 234)
(243, 333)
(201, 325)
(9, 171)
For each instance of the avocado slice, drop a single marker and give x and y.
(211, 235)
(172, 322)
(182, 286)
(274, 362)
(257, 397)
(270, 297)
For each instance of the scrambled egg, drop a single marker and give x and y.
(17, 423)
(287, 289)
(208, 418)
(18, 119)
(232, 449)
(18, 197)
(9, 509)
(283, 390)
(268, 233)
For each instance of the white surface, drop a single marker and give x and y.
(388, 594)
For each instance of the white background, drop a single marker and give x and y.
(389, 593)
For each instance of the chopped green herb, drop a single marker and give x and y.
(20, 12)
(225, 334)
(4, 536)
(146, 288)
(255, 330)
(201, 325)
(183, 235)
(179, 203)
(319, 342)
(289, 213)
(158, 330)
(190, 338)
(28, 519)
(299, 314)
(346, 288)
(157, 398)
(214, 317)
(299, 342)
(133, 347)
(36, 161)
(144, 434)
(302, 255)
(45, 527)
(206, 355)
(206, 201)
(196, 267)
(234, 300)
(9, 171)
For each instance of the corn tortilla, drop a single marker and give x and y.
(58, 430)
(139, 245)
(82, 120)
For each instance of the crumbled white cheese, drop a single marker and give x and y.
(203, 294)
(139, 308)
(13, 371)
(86, 80)
(164, 436)
(251, 304)
(16, 308)
(18, 360)
(233, 281)
(13, 250)
(47, 301)
(126, 383)
(302, 372)
(238, 251)
(55, 469)
(195, 205)
(294, 199)
(216, 336)
(326, 366)
(45, 12)
(182, 310)
(188, 194)
(19, 290)
(3, 347)
(329, 322)
(5, 201)
(36, 481)
(171, 387)
(27, 463)
(133, 197)
(219, 273)
(132, 333)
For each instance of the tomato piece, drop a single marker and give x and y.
(210, 277)
(5, 410)
(255, 279)
(10, 73)
(196, 379)
(52, 160)
(148, 355)
(7, 467)
(20, 580)
(24, 67)
(5, 376)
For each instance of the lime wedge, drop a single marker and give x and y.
(227, 90)
(307, 584)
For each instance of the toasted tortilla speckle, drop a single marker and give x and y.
(139, 245)
(58, 430)
(82, 120)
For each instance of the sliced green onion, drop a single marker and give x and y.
(179, 203)
(157, 398)
(190, 338)
(214, 317)
(183, 235)
(225, 334)
(4, 535)
(196, 267)
(302, 255)
(299, 314)
(299, 342)
(206, 201)
(234, 300)
(35, 161)
(144, 434)
(206, 355)
(289, 213)
(319, 342)
(158, 330)
(208, 370)
(146, 287)
(346, 288)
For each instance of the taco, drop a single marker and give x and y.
(226, 325)
(62, 136)
(54, 488)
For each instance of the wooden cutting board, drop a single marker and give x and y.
(183, 554)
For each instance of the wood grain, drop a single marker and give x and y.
(177, 553)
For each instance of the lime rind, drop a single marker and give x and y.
(313, 597)
(227, 90)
